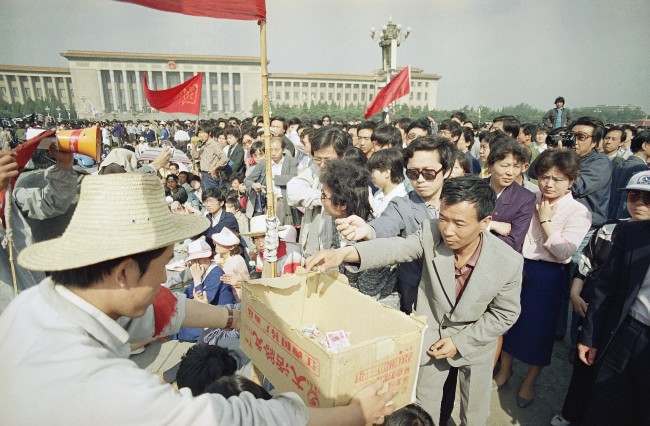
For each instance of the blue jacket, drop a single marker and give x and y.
(402, 217)
(227, 220)
(620, 177)
(515, 206)
(592, 186)
(217, 294)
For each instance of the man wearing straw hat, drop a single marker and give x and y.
(68, 338)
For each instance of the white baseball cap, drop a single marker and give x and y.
(639, 182)
(226, 238)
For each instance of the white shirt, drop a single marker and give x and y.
(276, 170)
(379, 201)
(64, 362)
(181, 136)
(214, 219)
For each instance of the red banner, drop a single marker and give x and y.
(247, 10)
(399, 86)
(186, 97)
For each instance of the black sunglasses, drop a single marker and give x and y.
(414, 174)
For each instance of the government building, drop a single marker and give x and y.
(109, 85)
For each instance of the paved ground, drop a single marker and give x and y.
(552, 384)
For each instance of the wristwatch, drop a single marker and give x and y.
(230, 319)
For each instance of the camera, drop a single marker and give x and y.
(561, 137)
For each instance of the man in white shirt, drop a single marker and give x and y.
(69, 336)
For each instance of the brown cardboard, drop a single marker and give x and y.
(385, 344)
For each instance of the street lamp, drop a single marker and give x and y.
(389, 39)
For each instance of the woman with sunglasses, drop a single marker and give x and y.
(593, 257)
(558, 226)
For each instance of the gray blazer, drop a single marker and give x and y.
(489, 305)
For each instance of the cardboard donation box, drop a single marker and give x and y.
(385, 345)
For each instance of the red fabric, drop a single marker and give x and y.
(399, 86)
(24, 153)
(164, 308)
(186, 97)
(282, 251)
(253, 10)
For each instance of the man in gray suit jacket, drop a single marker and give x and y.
(469, 292)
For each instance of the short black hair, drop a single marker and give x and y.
(460, 115)
(172, 177)
(472, 189)
(617, 129)
(202, 365)
(174, 164)
(367, 125)
(235, 384)
(420, 123)
(511, 124)
(232, 130)
(501, 150)
(559, 99)
(432, 143)
(404, 122)
(282, 119)
(387, 135)
(257, 146)
(463, 162)
(388, 159)
(565, 160)
(218, 193)
(452, 126)
(355, 155)
(295, 120)
(637, 141)
(86, 276)
(410, 415)
(594, 123)
(330, 136)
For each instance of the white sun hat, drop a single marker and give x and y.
(639, 182)
(288, 233)
(226, 238)
(198, 249)
(117, 215)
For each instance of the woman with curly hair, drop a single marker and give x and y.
(345, 193)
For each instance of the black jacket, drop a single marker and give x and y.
(616, 284)
(592, 186)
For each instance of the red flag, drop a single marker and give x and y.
(186, 97)
(24, 153)
(399, 86)
(247, 10)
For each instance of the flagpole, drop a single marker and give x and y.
(270, 196)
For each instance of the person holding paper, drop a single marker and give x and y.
(466, 304)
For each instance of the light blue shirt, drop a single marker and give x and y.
(558, 118)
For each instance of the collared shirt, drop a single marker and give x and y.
(379, 200)
(640, 309)
(558, 118)
(464, 273)
(214, 219)
(276, 170)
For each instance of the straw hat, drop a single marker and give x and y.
(226, 238)
(117, 215)
(198, 249)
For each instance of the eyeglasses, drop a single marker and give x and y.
(414, 174)
(635, 196)
(582, 136)
(324, 196)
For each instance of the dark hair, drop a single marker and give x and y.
(324, 117)
(432, 143)
(186, 174)
(460, 115)
(355, 155)
(420, 123)
(496, 137)
(232, 130)
(295, 120)
(174, 164)
(282, 119)
(499, 151)
(510, 124)
(637, 141)
(410, 415)
(559, 99)
(195, 177)
(349, 185)
(218, 193)
(565, 160)
(452, 126)
(129, 147)
(367, 125)
(594, 123)
(529, 130)
(468, 135)
(111, 169)
(617, 129)
(85, 276)
(203, 364)
(330, 136)
(172, 177)
(404, 122)
(387, 135)
(472, 189)
(388, 159)
(235, 384)
(462, 161)
(257, 146)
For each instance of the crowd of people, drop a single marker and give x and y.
(493, 231)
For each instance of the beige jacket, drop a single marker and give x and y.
(211, 156)
(489, 305)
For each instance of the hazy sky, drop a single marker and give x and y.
(489, 52)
